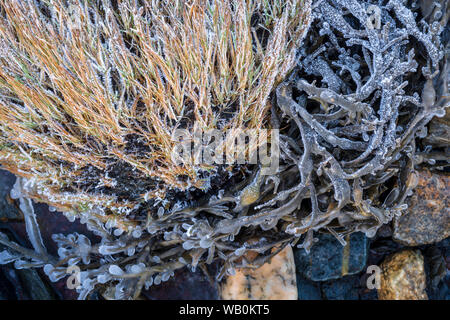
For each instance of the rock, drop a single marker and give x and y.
(8, 210)
(380, 249)
(307, 289)
(443, 290)
(328, 259)
(437, 265)
(437, 268)
(185, 285)
(34, 286)
(7, 291)
(403, 277)
(275, 280)
(385, 231)
(342, 289)
(428, 217)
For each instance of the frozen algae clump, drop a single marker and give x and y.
(87, 108)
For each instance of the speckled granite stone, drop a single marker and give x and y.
(275, 280)
(403, 277)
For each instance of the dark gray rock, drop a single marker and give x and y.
(443, 290)
(307, 289)
(328, 259)
(7, 209)
(342, 289)
(6, 287)
(24, 284)
(34, 286)
(185, 285)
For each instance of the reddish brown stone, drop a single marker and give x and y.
(428, 217)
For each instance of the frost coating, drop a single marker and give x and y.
(364, 72)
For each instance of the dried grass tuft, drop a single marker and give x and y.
(79, 78)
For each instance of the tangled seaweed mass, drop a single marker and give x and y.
(352, 115)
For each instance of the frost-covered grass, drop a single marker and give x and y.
(81, 83)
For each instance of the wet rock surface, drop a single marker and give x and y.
(428, 217)
(436, 262)
(8, 211)
(341, 289)
(328, 259)
(308, 289)
(403, 277)
(185, 285)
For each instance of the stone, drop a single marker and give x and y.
(437, 266)
(275, 280)
(345, 288)
(8, 211)
(307, 289)
(7, 291)
(34, 286)
(403, 277)
(428, 218)
(24, 284)
(185, 285)
(328, 259)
